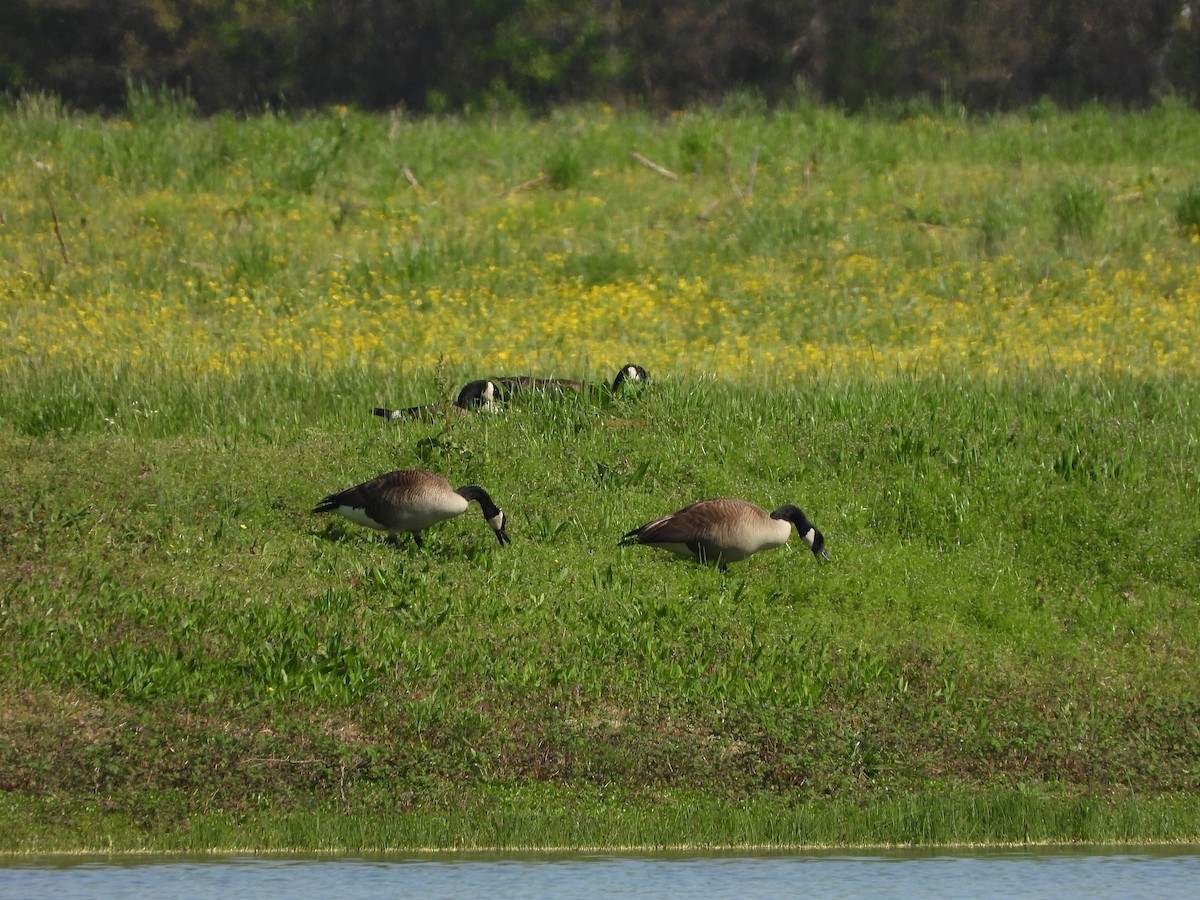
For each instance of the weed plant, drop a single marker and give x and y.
(1078, 210)
(996, 431)
(1187, 211)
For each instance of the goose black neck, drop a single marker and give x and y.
(479, 495)
(794, 515)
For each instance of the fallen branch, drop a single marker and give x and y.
(526, 185)
(744, 196)
(62, 245)
(753, 172)
(705, 213)
(733, 185)
(810, 167)
(650, 164)
(47, 170)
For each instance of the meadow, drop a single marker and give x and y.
(966, 347)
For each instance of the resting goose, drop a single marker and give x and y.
(410, 500)
(490, 393)
(482, 394)
(433, 412)
(629, 373)
(726, 530)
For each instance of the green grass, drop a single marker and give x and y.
(964, 347)
(543, 817)
(1010, 608)
(186, 249)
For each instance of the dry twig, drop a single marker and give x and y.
(47, 170)
(650, 164)
(526, 185)
(750, 176)
(744, 196)
(62, 245)
(705, 213)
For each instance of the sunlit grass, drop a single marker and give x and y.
(983, 394)
(302, 244)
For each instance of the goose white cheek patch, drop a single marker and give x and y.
(810, 537)
(489, 398)
(497, 521)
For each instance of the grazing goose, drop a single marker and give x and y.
(726, 531)
(410, 500)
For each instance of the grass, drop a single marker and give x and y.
(1010, 605)
(994, 425)
(549, 818)
(856, 246)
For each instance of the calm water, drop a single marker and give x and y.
(1165, 872)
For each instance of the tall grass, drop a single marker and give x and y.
(548, 818)
(851, 245)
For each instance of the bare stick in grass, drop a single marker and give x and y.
(810, 168)
(744, 195)
(62, 245)
(708, 210)
(653, 166)
(751, 175)
(526, 185)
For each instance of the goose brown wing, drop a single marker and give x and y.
(663, 530)
(689, 525)
(387, 497)
(403, 485)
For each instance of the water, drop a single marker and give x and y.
(1147, 873)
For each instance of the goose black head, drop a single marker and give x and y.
(631, 374)
(808, 531)
(480, 394)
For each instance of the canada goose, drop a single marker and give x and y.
(633, 374)
(410, 500)
(490, 393)
(432, 412)
(480, 394)
(726, 531)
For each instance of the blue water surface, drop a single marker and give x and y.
(1059, 874)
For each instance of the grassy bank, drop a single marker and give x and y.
(1010, 606)
(539, 817)
(997, 435)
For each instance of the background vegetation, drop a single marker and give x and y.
(438, 55)
(965, 347)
